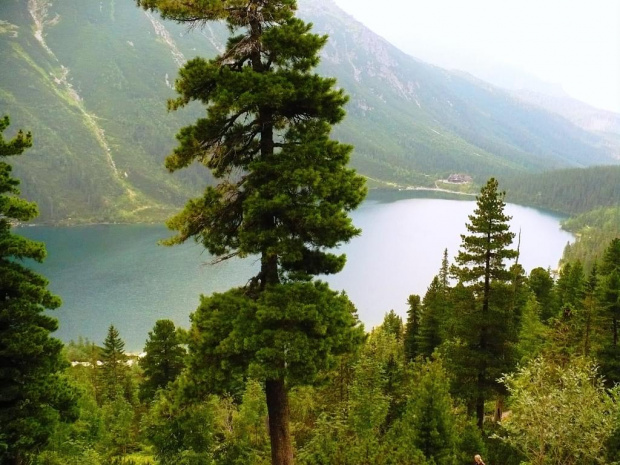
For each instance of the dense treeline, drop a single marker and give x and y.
(570, 191)
(594, 230)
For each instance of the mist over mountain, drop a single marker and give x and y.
(90, 79)
(602, 122)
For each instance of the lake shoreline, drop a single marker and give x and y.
(382, 195)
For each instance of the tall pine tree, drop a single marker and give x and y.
(33, 392)
(488, 331)
(283, 194)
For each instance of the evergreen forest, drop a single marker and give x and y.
(515, 367)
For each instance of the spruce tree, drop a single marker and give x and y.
(489, 331)
(412, 327)
(434, 310)
(567, 335)
(429, 418)
(283, 194)
(164, 359)
(532, 333)
(33, 392)
(393, 324)
(114, 371)
(541, 283)
(444, 271)
(610, 269)
(611, 258)
(570, 288)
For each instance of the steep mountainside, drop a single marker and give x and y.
(602, 122)
(90, 79)
(436, 121)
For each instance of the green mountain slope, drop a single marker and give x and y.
(602, 122)
(436, 121)
(90, 79)
(92, 90)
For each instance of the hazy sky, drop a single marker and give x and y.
(573, 43)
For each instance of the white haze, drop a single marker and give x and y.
(573, 45)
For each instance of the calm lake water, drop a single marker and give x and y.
(117, 274)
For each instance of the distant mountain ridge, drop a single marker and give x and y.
(602, 122)
(90, 79)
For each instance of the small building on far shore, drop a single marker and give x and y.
(459, 179)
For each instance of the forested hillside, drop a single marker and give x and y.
(594, 229)
(569, 191)
(90, 79)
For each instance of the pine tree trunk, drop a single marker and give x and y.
(483, 333)
(480, 402)
(279, 433)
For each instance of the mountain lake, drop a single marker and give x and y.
(118, 274)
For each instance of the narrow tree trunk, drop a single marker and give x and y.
(480, 401)
(483, 333)
(279, 433)
(499, 409)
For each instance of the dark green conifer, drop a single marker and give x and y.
(590, 310)
(444, 271)
(283, 194)
(434, 305)
(163, 360)
(532, 333)
(542, 284)
(114, 371)
(429, 419)
(611, 258)
(33, 391)
(488, 332)
(393, 324)
(388, 341)
(570, 288)
(412, 327)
